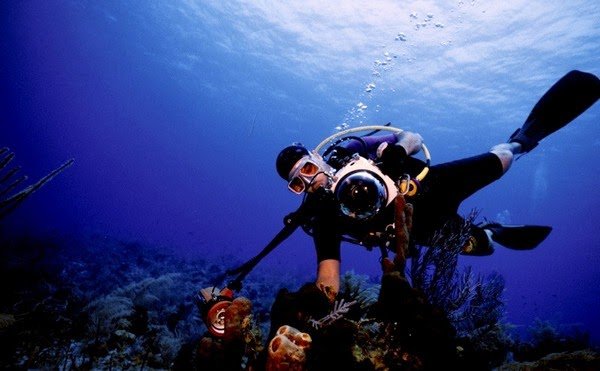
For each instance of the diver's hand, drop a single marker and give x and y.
(410, 141)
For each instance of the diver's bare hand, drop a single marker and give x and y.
(410, 141)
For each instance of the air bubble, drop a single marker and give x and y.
(343, 126)
(401, 36)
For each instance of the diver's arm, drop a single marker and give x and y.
(328, 277)
(374, 141)
(407, 144)
(410, 141)
(395, 154)
(328, 247)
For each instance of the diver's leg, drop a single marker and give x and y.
(457, 180)
(506, 153)
(515, 237)
(464, 177)
(452, 182)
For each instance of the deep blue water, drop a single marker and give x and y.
(175, 112)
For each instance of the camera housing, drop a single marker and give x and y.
(362, 189)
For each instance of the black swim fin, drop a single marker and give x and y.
(518, 237)
(568, 98)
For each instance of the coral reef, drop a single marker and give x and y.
(586, 359)
(100, 303)
(545, 337)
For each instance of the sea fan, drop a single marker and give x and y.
(435, 272)
(9, 181)
(473, 303)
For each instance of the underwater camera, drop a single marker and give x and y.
(212, 303)
(361, 189)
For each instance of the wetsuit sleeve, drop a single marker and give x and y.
(371, 143)
(374, 141)
(327, 241)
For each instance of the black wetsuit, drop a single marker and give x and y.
(441, 193)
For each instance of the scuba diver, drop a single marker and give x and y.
(349, 189)
(352, 189)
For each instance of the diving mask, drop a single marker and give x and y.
(305, 171)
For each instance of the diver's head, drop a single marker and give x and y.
(288, 157)
(305, 171)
